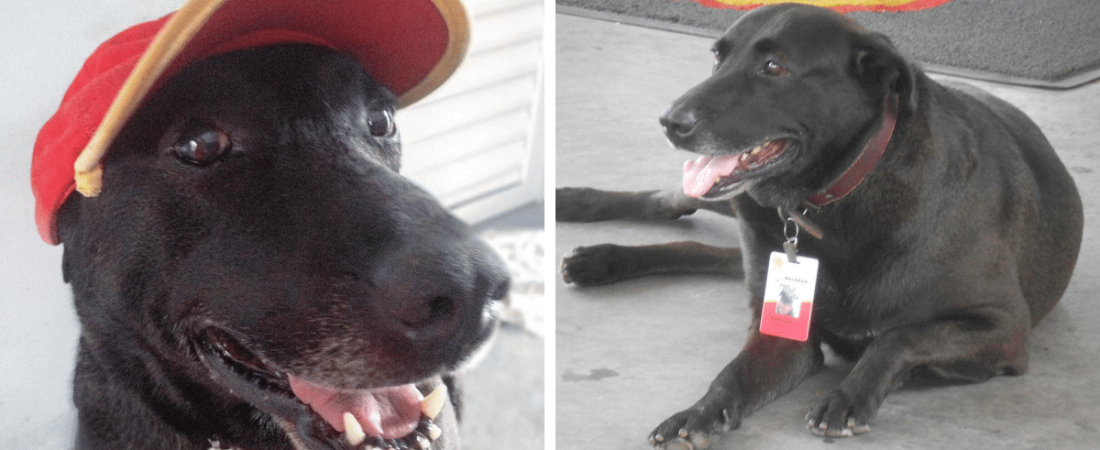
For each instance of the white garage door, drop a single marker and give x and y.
(476, 143)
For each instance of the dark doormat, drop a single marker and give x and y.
(1053, 44)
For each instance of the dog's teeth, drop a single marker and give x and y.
(756, 150)
(434, 431)
(423, 443)
(353, 431)
(433, 403)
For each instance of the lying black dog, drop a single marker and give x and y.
(259, 267)
(944, 223)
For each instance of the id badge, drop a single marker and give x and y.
(789, 297)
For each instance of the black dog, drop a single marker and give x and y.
(936, 260)
(257, 263)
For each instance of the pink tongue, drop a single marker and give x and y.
(701, 174)
(389, 413)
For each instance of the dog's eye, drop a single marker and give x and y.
(774, 69)
(380, 123)
(202, 145)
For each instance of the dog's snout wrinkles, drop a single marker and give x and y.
(678, 122)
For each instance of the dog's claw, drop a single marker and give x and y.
(685, 441)
(858, 428)
(680, 444)
(818, 429)
(703, 440)
(852, 428)
(842, 414)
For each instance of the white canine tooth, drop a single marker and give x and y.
(756, 150)
(434, 431)
(423, 443)
(433, 402)
(353, 431)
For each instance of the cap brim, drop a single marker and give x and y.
(410, 46)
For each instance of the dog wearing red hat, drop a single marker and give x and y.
(249, 268)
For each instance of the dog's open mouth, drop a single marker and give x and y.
(397, 417)
(721, 177)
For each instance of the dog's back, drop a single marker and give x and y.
(1041, 211)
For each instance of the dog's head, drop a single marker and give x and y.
(256, 253)
(795, 91)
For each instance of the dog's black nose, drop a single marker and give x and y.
(678, 122)
(436, 294)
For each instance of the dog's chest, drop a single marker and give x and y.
(860, 307)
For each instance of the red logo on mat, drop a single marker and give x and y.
(841, 6)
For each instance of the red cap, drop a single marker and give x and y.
(410, 46)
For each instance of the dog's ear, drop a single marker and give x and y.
(880, 66)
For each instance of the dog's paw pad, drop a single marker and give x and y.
(591, 266)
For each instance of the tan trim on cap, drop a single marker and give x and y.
(168, 42)
(458, 42)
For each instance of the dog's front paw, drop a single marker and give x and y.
(595, 265)
(843, 414)
(692, 429)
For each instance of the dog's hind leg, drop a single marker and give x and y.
(594, 205)
(608, 263)
(968, 349)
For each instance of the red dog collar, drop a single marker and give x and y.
(870, 155)
(410, 46)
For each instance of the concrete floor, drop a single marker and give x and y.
(631, 354)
